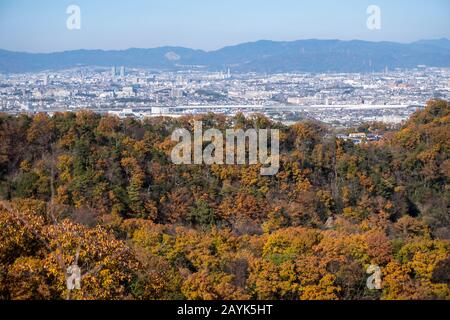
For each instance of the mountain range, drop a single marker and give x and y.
(262, 56)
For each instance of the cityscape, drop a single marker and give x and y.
(338, 99)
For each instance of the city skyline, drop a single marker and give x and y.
(41, 27)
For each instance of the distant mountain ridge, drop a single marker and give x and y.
(261, 56)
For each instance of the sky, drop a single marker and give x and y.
(40, 25)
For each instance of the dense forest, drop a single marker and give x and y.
(102, 192)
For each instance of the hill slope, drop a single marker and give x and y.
(260, 56)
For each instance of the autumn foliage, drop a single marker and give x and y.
(104, 191)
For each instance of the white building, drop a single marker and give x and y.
(160, 110)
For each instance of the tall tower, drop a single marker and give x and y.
(122, 72)
(113, 72)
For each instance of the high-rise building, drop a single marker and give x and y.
(113, 72)
(122, 72)
(177, 93)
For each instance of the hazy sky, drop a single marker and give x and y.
(40, 25)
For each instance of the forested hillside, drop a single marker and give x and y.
(144, 228)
